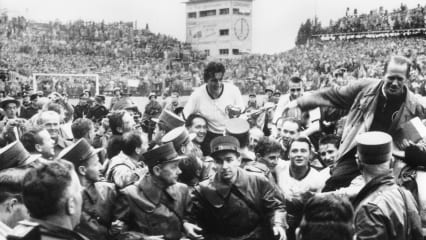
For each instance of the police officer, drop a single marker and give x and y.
(98, 196)
(235, 204)
(154, 207)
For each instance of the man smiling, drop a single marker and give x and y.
(375, 105)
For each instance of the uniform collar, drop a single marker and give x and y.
(153, 189)
(92, 193)
(61, 142)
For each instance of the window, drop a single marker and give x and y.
(224, 32)
(192, 15)
(224, 11)
(223, 51)
(207, 13)
(236, 51)
(207, 52)
(238, 11)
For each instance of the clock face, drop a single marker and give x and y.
(241, 29)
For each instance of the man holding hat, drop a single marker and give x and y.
(154, 207)
(235, 204)
(11, 127)
(98, 197)
(383, 210)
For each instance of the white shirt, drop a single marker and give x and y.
(293, 188)
(214, 109)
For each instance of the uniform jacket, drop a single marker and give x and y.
(385, 211)
(149, 208)
(360, 97)
(222, 213)
(97, 215)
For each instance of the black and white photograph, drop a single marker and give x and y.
(212, 120)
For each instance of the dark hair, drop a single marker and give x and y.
(327, 217)
(400, 60)
(80, 127)
(191, 117)
(296, 80)
(330, 139)
(131, 141)
(189, 167)
(302, 139)
(116, 121)
(267, 145)
(11, 183)
(44, 188)
(30, 138)
(211, 69)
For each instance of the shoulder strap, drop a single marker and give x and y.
(408, 228)
(249, 204)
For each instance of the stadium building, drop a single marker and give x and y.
(220, 28)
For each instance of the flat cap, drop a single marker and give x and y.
(163, 154)
(374, 147)
(237, 126)
(169, 120)
(224, 143)
(78, 152)
(13, 155)
(178, 136)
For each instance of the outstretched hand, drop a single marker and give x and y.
(279, 232)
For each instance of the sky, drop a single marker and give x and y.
(275, 22)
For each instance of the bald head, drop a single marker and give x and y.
(50, 120)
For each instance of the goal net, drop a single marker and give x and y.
(71, 84)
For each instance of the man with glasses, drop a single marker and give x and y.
(295, 91)
(215, 100)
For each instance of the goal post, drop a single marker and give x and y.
(72, 84)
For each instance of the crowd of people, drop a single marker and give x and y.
(119, 52)
(334, 150)
(376, 20)
(343, 162)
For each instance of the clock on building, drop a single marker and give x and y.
(241, 29)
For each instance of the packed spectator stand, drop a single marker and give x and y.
(335, 151)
